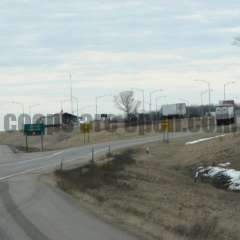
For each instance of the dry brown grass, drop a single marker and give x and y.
(59, 139)
(62, 140)
(154, 194)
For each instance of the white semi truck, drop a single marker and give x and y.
(174, 110)
(225, 113)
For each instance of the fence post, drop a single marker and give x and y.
(109, 149)
(61, 165)
(92, 154)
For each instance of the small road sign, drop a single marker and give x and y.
(165, 125)
(165, 129)
(34, 129)
(86, 127)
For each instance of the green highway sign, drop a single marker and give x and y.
(34, 129)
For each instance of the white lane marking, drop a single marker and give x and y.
(204, 140)
(34, 169)
(57, 153)
(31, 160)
(20, 173)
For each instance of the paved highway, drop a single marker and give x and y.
(16, 164)
(33, 209)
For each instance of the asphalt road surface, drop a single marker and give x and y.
(33, 209)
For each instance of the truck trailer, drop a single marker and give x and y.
(177, 110)
(225, 114)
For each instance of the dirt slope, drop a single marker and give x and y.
(154, 195)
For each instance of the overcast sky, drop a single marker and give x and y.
(109, 46)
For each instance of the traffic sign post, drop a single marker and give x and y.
(165, 129)
(86, 129)
(26, 143)
(42, 142)
(34, 130)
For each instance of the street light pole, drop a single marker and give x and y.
(209, 93)
(150, 98)
(225, 86)
(201, 95)
(96, 100)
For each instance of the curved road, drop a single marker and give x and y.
(34, 210)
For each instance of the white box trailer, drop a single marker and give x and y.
(174, 110)
(225, 114)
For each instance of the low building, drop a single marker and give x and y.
(59, 120)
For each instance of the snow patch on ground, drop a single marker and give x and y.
(224, 164)
(231, 177)
(204, 140)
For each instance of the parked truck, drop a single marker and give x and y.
(225, 114)
(177, 110)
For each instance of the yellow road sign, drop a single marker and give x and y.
(86, 127)
(165, 125)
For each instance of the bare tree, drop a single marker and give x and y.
(126, 102)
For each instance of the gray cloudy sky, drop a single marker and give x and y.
(112, 45)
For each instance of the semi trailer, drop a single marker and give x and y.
(225, 113)
(177, 110)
